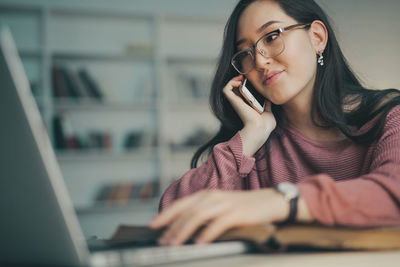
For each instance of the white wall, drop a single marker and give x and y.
(369, 32)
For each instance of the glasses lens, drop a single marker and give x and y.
(243, 62)
(271, 45)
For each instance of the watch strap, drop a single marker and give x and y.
(292, 210)
(291, 195)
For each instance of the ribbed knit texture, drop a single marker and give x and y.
(342, 183)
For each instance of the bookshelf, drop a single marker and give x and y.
(153, 71)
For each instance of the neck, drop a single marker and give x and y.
(298, 112)
(298, 109)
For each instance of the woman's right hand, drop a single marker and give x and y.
(257, 127)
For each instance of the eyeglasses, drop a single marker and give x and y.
(269, 45)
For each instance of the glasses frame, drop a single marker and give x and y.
(278, 31)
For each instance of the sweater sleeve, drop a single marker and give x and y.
(369, 200)
(224, 169)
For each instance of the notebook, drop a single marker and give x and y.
(38, 224)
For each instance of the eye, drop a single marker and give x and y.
(244, 53)
(270, 38)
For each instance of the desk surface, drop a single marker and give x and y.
(351, 259)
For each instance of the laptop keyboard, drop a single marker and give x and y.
(158, 255)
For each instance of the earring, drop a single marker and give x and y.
(321, 58)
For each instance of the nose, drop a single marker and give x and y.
(261, 61)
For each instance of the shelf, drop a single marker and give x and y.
(88, 104)
(145, 55)
(116, 11)
(149, 66)
(182, 151)
(189, 104)
(196, 59)
(84, 156)
(23, 52)
(149, 205)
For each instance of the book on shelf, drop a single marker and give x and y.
(58, 133)
(64, 137)
(67, 138)
(75, 85)
(68, 83)
(139, 138)
(272, 238)
(195, 138)
(188, 83)
(59, 83)
(193, 85)
(106, 143)
(120, 193)
(124, 192)
(90, 84)
(148, 190)
(101, 140)
(133, 139)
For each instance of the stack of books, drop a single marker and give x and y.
(122, 193)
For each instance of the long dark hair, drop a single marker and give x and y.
(336, 86)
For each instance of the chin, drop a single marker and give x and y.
(282, 96)
(278, 100)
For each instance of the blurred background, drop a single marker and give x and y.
(123, 87)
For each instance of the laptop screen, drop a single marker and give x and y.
(38, 224)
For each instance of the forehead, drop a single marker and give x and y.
(256, 15)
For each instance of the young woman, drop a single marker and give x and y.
(325, 149)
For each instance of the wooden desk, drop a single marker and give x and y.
(333, 259)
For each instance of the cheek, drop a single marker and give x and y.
(301, 63)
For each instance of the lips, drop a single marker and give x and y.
(271, 77)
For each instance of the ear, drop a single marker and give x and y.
(319, 35)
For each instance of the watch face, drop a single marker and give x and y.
(289, 190)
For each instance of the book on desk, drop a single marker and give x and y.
(270, 238)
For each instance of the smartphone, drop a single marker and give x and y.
(252, 97)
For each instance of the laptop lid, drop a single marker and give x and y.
(38, 224)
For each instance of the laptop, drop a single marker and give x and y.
(38, 222)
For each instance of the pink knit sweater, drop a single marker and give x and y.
(342, 183)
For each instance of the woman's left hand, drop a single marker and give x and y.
(218, 211)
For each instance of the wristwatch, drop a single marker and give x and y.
(291, 194)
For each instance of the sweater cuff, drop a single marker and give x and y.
(310, 191)
(244, 163)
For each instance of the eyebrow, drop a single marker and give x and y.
(259, 30)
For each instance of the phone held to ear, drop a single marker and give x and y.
(251, 99)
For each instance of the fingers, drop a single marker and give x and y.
(235, 99)
(187, 224)
(187, 215)
(219, 211)
(169, 214)
(215, 229)
(235, 82)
